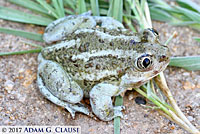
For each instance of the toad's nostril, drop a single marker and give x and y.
(163, 58)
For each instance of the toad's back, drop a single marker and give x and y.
(92, 55)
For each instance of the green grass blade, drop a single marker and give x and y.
(20, 52)
(188, 63)
(57, 8)
(191, 24)
(189, 5)
(184, 23)
(103, 12)
(190, 14)
(58, 5)
(127, 8)
(160, 15)
(161, 3)
(62, 9)
(81, 6)
(28, 35)
(118, 102)
(68, 11)
(70, 3)
(32, 44)
(117, 14)
(129, 23)
(197, 39)
(49, 8)
(112, 12)
(18, 16)
(149, 91)
(30, 5)
(95, 7)
(195, 26)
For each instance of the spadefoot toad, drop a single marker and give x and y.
(96, 57)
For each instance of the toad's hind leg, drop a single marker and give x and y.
(59, 29)
(57, 86)
(101, 102)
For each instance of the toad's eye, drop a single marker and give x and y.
(144, 62)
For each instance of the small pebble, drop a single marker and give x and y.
(9, 85)
(190, 118)
(130, 96)
(12, 118)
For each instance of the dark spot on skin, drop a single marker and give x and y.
(98, 66)
(71, 60)
(91, 58)
(73, 23)
(155, 72)
(119, 47)
(86, 66)
(110, 55)
(111, 44)
(84, 47)
(76, 65)
(99, 24)
(101, 41)
(163, 58)
(85, 20)
(116, 56)
(140, 100)
(89, 65)
(132, 42)
(122, 59)
(70, 89)
(119, 71)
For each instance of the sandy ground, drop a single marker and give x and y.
(21, 103)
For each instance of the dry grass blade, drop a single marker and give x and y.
(161, 82)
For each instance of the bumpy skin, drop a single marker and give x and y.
(96, 57)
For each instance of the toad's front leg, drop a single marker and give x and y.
(101, 102)
(57, 86)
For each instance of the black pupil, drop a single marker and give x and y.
(146, 62)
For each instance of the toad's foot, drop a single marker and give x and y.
(101, 102)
